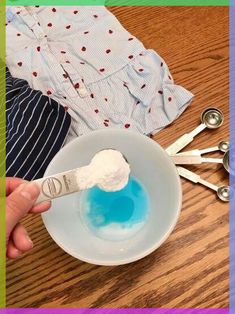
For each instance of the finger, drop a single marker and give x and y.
(40, 208)
(19, 203)
(12, 184)
(21, 239)
(12, 251)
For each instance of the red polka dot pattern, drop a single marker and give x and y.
(110, 32)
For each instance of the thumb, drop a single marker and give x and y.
(19, 203)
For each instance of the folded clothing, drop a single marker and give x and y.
(36, 128)
(86, 60)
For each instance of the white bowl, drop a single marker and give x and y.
(150, 164)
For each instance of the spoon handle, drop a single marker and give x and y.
(194, 160)
(198, 152)
(212, 160)
(193, 177)
(194, 152)
(184, 140)
(57, 185)
(186, 160)
(209, 150)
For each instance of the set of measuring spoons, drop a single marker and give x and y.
(211, 118)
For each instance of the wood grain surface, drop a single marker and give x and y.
(191, 269)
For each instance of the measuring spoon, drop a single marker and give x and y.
(211, 118)
(223, 192)
(193, 160)
(82, 178)
(223, 146)
(190, 160)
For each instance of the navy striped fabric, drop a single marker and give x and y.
(36, 128)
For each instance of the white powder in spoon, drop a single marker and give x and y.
(108, 169)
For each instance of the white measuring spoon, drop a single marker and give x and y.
(223, 146)
(83, 178)
(211, 118)
(191, 160)
(223, 192)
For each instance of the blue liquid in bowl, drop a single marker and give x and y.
(115, 215)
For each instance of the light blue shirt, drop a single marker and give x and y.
(83, 58)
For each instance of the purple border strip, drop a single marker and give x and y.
(113, 311)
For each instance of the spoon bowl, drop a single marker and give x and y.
(223, 146)
(213, 118)
(226, 161)
(223, 193)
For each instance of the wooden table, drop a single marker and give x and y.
(191, 269)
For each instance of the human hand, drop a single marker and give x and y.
(20, 198)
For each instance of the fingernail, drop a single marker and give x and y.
(30, 191)
(46, 203)
(17, 252)
(30, 241)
